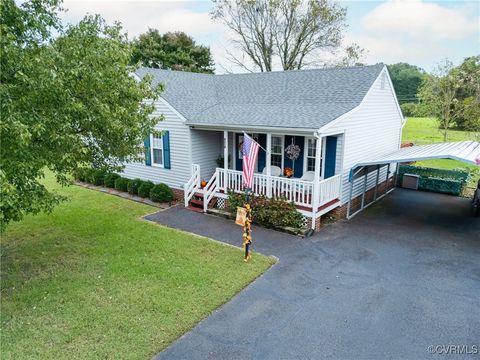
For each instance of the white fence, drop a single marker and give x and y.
(296, 190)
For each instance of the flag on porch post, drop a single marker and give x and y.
(250, 153)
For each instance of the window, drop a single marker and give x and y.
(311, 151)
(310, 155)
(277, 151)
(157, 150)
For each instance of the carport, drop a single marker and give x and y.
(368, 174)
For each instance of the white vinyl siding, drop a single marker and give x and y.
(180, 159)
(372, 130)
(207, 146)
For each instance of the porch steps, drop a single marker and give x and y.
(196, 209)
(196, 203)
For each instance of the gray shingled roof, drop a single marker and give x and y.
(294, 99)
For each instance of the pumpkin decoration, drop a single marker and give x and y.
(288, 172)
(203, 183)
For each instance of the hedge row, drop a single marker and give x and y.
(158, 193)
(268, 212)
(461, 176)
(437, 180)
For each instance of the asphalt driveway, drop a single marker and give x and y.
(400, 277)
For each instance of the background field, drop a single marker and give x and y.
(94, 281)
(423, 131)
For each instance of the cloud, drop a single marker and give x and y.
(417, 31)
(137, 16)
(421, 20)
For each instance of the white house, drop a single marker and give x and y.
(338, 117)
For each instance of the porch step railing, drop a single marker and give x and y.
(210, 190)
(193, 184)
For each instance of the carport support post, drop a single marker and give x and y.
(350, 197)
(364, 188)
(386, 181)
(376, 183)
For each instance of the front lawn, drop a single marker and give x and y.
(94, 281)
(423, 131)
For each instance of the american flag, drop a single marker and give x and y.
(249, 152)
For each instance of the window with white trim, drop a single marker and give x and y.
(311, 151)
(276, 152)
(310, 155)
(157, 150)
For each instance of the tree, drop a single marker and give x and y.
(176, 51)
(294, 33)
(468, 94)
(406, 80)
(438, 93)
(65, 102)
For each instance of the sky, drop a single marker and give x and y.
(419, 32)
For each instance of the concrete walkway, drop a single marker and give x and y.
(398, 278)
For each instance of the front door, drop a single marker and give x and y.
(330, 156)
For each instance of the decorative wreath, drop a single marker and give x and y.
(292, 151)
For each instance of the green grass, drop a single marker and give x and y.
(94, 281)
(423, 131)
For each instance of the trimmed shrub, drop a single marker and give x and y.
(144, 189)
(268, 212)
(98, 177)
(79, 174)
(88, 175)
(121, 184)
(133, 186)
(161, 193)
(110, 180)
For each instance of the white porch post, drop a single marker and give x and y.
(316, 179)
(225, 150)
(269, 164)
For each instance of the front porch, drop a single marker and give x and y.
(315, 185)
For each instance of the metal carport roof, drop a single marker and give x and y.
(466, 151)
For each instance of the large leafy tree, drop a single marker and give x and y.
(65, 102)
(173, 50)
(468, 94)
(439, 94)
(406, 80)
(293, 33)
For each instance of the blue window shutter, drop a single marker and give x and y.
(148, 154)
(166, 149)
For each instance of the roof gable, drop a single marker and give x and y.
(294, 99)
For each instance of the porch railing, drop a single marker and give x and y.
(330, 189)
(296, 190)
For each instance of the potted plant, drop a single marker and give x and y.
(288, 172)
(220, 159)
